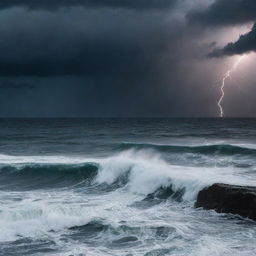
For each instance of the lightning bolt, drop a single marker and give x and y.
(223, 83)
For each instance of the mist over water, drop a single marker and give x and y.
(122, 186)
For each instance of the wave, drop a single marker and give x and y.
(147, 173)
(222, 149)
(135, 171)
(38, 176)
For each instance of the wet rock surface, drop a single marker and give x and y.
(225, 198)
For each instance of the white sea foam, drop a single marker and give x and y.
(41, 212)
(9, 159)
(148, 172)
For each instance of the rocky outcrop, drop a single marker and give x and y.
(229, 199)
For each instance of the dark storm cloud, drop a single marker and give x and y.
(225, 12)
(246, 43)
(91, 58)
(101, 62)
(116, 55)
(48, 44)
(56, 4)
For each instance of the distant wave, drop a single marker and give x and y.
(224, 149)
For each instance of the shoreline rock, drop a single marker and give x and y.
(224, 198)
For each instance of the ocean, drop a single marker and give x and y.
(122, 187)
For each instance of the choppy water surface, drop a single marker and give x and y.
(122, 186)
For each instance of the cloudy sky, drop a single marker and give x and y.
(126, 58)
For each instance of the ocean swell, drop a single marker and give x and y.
(40, 176)
(220, 149)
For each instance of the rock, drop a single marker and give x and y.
(229, 199)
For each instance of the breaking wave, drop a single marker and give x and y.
(138, 172)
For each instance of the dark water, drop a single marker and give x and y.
(122, 186)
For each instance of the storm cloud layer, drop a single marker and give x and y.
(245, 44)
(226, 12)
(95, 43)
(56, 4)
